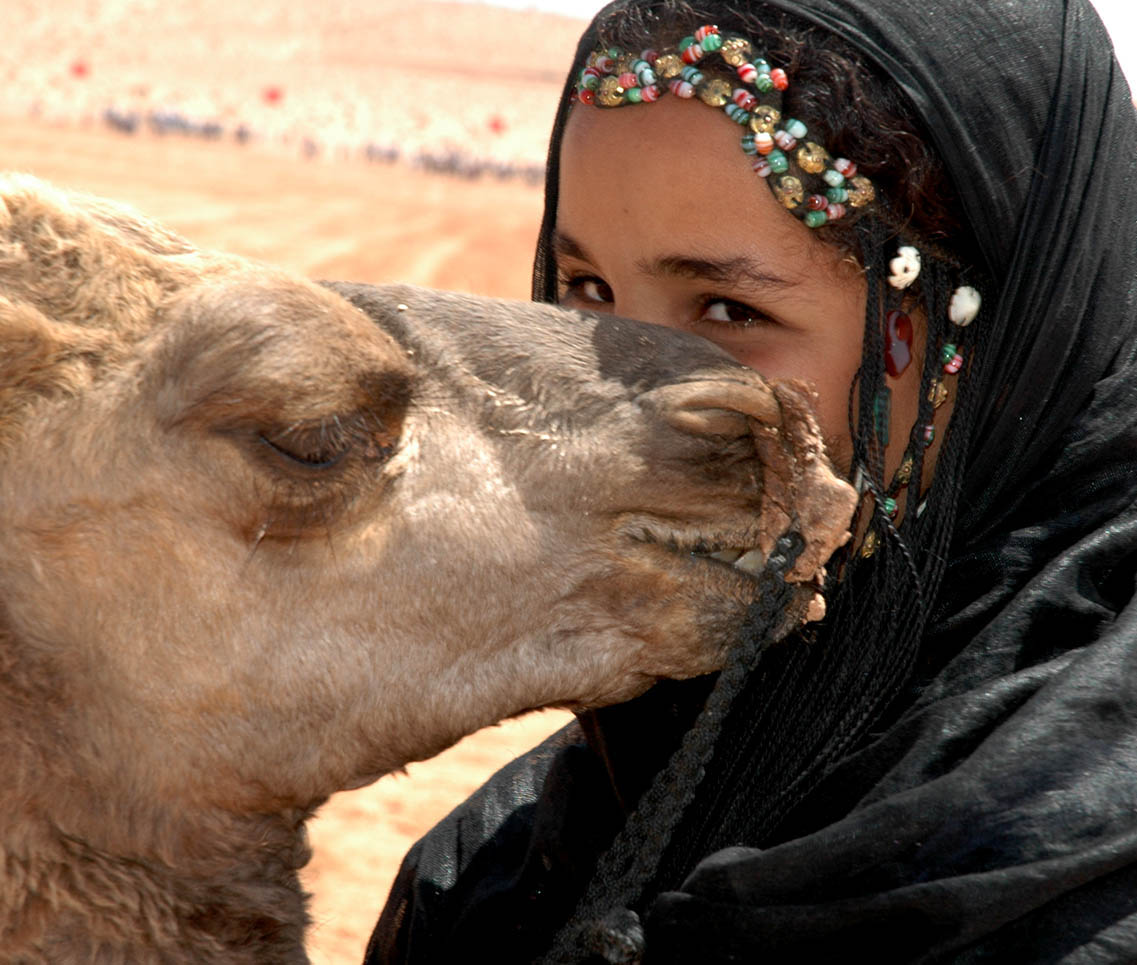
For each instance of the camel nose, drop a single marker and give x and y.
(721, 407)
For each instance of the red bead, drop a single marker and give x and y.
(817, 202)
(744, 99)
(586, 96)
(897, 343)
(628, 79)
(605, 63)
(845, 167)
(747, 73)
(835, 211)
(693, 54)
(702, 32)
(680, 88)
(954, 364)
(650, 93)
(651, 56)
(762, 167)
(787, 142)
(778, 76)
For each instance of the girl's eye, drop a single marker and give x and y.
(588, 289)
(724, 311)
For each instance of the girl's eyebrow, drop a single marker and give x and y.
(722, 271)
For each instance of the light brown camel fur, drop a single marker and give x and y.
(263, 540)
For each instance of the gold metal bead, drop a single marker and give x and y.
(624, 63)
(871, 541)
(764, 119)
(736, 51)
(861, 191)
(937, 393)
(609, 93)
(715, 92)
(789, 191)
(668, 66)
(812, 157)
(904, 473)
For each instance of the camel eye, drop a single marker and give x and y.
(311, 449)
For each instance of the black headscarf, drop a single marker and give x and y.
(982, 806)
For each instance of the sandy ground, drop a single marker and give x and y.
(348, 220)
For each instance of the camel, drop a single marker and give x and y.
(264, 540)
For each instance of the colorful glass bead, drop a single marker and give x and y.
(650, 93)
(937, 393)
(764, 142)
(861, 191)
(748, 145)
(633, 95)
(815, 219)
(929, 434)
(837, 195)
(735, 51)
(779, 163)
(587, 96)
(764, 119)
(897, 343)
(737, 114)
(644, 74)
(964, 306)
(847, 168)
(761, 65)
(889, 505)
(763, 83)
(610, 93)
(785, 140)
(762, 167)
(714, 92)
(835, 212)
(590, 78)
(796, 128)
(704, 31)
(628, 79)
(604, 63)
(835, 179)
(744, 99)
(954, 364)
(817, 202)
(680, 88)
(812, 158)
(692, 54)
(711, 43)
(789, 191)
(651, 56)
(779, 79)
(685, 43)
(692, 75)
(747, 73)
(668, 65)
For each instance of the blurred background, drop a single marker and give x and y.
(369, 140)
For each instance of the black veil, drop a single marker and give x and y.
(971, 793)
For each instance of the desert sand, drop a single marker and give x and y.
(482, 83)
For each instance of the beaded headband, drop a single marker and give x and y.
(809, 182)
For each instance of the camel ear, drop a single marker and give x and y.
(715, 408)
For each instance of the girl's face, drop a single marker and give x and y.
(660, 218)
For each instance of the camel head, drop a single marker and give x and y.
(264, 539)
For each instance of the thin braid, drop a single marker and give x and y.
(605, 921)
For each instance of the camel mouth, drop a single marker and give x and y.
(738, 553)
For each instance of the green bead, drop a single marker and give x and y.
(763, 83)
(947, 353)
(815, 219)
(833, 177)
(837, 195)
(778, 163)
(762, 66)
(685, 43)
(614, 52)
(633, 95)
(711, 42)
(590, 81)
(888, 504)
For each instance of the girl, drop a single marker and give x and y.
(929, 211)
